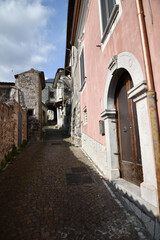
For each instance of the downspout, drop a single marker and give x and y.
(151, 95)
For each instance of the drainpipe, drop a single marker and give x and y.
(151, 95)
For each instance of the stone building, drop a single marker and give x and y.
(72, 70)
(30, 85)
(48, 93)
(62, 84)
(44, 114)
(48, 98)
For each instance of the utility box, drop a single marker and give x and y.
(101, 127)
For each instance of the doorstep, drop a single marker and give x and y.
(132, 191)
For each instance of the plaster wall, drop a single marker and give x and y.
(101, 80)
(125, 37)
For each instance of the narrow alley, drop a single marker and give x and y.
(52, 191)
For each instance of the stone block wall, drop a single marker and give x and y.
(97, 152)
(9, 127)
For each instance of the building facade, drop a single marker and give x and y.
(62, 85)
(73, 72)
(48, 93)
(48, 99)
(117, 69)
(29, 86)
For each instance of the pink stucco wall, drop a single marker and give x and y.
(125, 37)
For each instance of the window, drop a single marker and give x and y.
(51, 94)
(85, 116)
(110, 11)
(31, 112)
(82, 67)
(106, 11)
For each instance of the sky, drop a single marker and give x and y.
(32, 35)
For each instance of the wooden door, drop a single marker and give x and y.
(128, 135)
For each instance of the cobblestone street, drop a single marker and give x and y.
(52, 191)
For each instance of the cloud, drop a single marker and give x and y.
(23, 36)
(47, 48)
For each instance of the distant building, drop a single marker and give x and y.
(62, 85)
(29, 85)
(48, 98)
(48, 93)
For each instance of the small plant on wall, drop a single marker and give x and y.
(8, 157)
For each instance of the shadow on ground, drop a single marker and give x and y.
(52, 191)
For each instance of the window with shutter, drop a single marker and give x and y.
(107, 7)
(82, 67)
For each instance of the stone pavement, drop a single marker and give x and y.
(52, 191)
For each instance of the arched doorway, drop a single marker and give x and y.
(119, 64)
(127, 131)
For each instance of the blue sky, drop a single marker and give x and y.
(32, 35)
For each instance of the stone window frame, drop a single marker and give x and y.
(138, 93)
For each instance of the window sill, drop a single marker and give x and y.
(110, 22)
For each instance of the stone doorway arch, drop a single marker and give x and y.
(126, 61)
